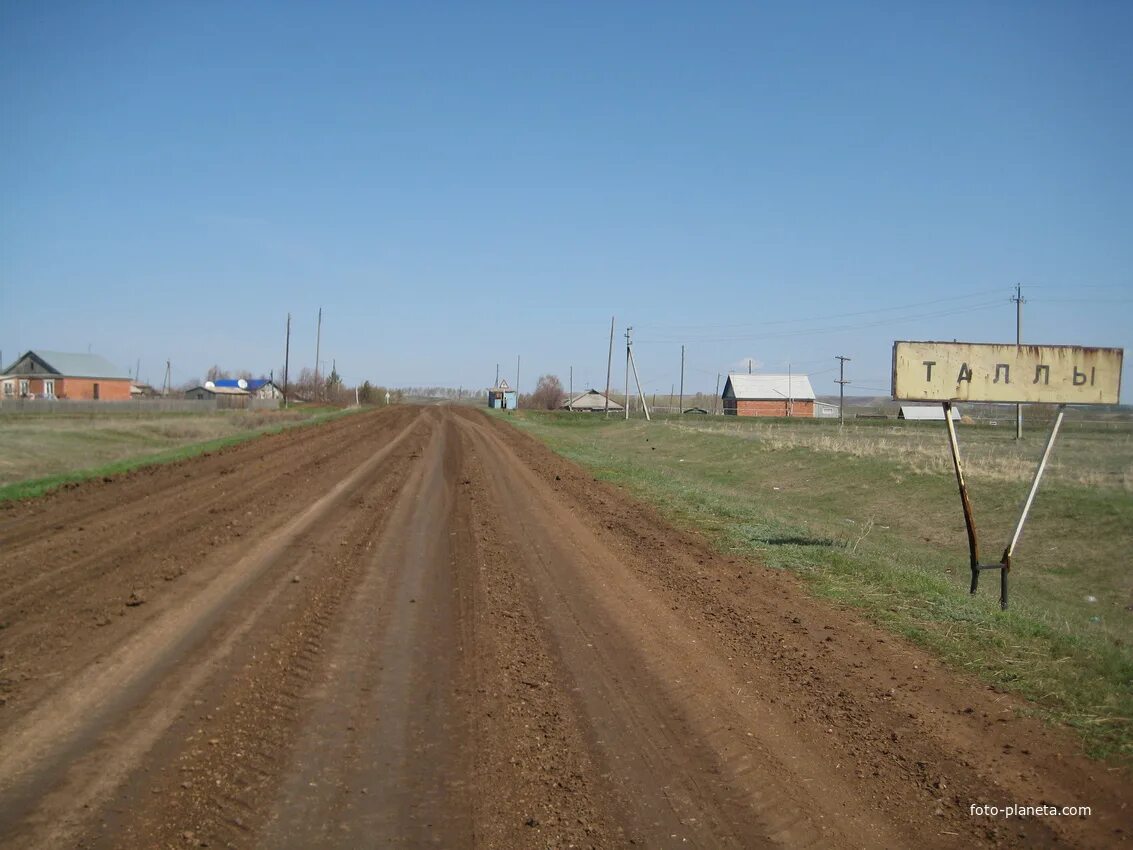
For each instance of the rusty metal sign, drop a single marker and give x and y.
(994, 372)
(1024, 374)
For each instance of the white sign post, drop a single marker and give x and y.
(950, 372)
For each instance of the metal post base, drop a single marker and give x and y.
(1004, 570)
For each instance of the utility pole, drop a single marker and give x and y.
(749, 365)
(286, 358)
(790, 393)
(672, 392)
(609, 363)
(640, 392)
(318, 343)
(681, 405)
(497, 375)
(1019, 301)
(628, 343)
(842, 388)
(518, 357)
(570, 397)
(717, 399)
(165, 385)
(138, 371)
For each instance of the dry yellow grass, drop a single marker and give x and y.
(42, 446)
(1102, 459)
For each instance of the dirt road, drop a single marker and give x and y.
(418, 628)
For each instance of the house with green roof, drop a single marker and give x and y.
(58, 374)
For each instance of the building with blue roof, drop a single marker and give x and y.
(255, 387)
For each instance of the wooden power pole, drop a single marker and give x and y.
(1019, 301)
(286, 358)
(842, 388)
(609, 363)
(637, 380)
(318, 343)
(628, 332)
(681, 404)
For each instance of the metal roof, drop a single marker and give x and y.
(776, 387)
(927, 412)
(220, 390)
(76, 365)
(253, 384)
(592, 400)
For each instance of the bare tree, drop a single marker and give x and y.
(548, 394)
(215, 373)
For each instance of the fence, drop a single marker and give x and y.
(138, 407)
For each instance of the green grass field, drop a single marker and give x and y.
(42, 452)
(869, 516)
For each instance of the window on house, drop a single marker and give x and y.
(9, 389)
(49, 388)
(23, 388)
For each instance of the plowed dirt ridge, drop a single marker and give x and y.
(419, 628)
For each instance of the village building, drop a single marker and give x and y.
(768, 395)
(61, 375)
(227, 398)
(591, 401)
(256, 387)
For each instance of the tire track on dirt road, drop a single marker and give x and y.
(384, 757)
(118, 533)
(903, 743)
(77, 591)
(668, 723)
(70, 752)
(133, 493)
(446, 635)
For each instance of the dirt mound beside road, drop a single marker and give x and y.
(420, 627)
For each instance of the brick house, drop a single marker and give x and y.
(57, 374)
(768, 395)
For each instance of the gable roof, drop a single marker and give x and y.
(775, 387)
(72, 365)
(217, 390)
(592, 400)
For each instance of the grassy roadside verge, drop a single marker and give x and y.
(31, 488)
(883, 533)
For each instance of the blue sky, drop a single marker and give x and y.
(457, 184)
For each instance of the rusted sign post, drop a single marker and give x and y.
(949, 372)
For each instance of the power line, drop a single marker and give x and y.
(871, 311)
(833, 328)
